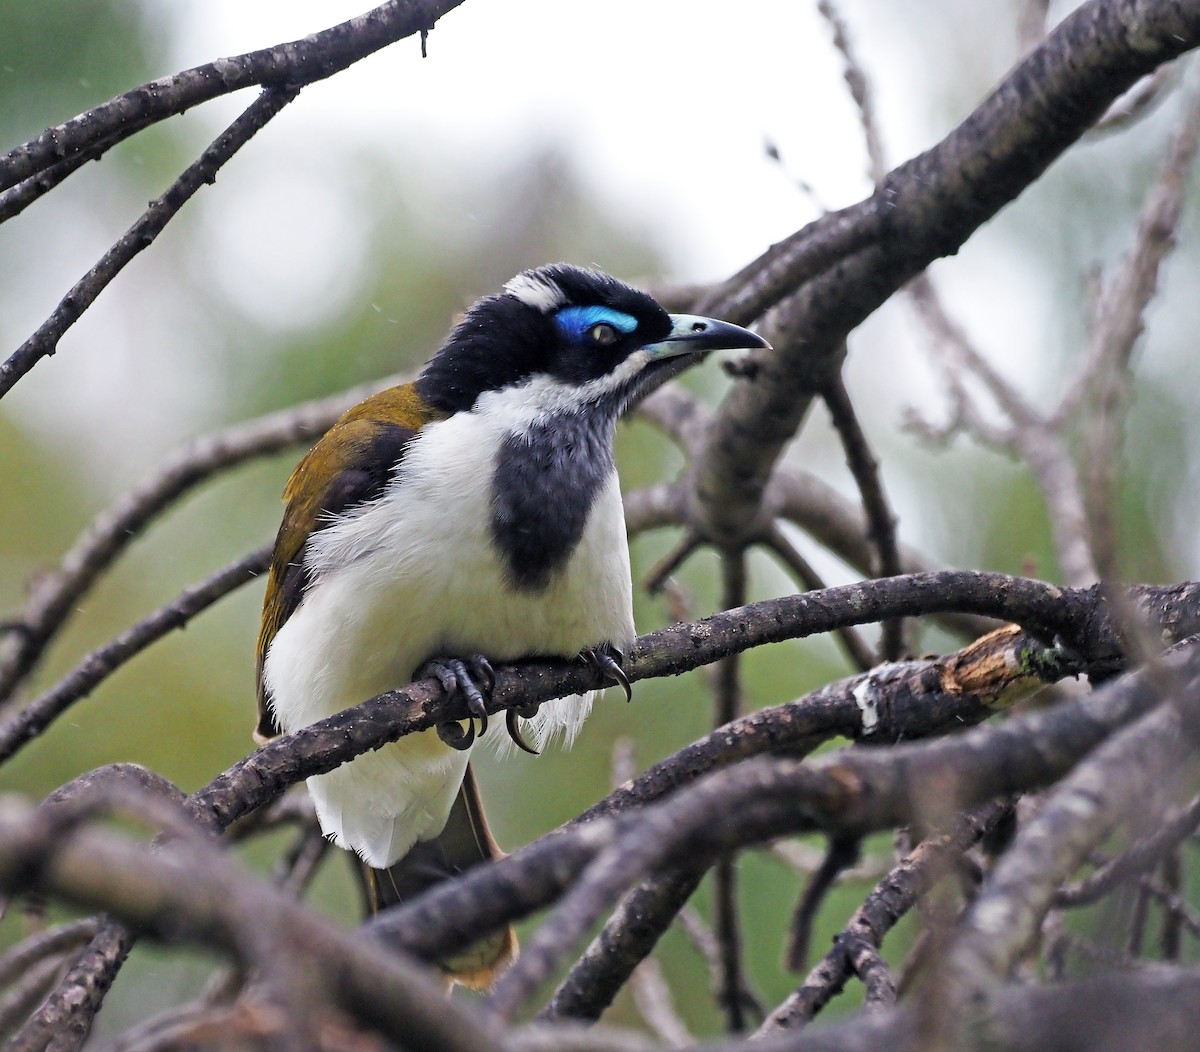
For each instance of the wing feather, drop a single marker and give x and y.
(350, 464)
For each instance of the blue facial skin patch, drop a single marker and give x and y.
(574, 322)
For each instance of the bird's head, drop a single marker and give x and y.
(573, 340)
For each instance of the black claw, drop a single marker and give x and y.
(514, 732)
(452, 734)
(618, 674)
(476, 706)
(606, 659)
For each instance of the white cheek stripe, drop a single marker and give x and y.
(519, 408)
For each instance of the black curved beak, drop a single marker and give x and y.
(691, 334)
(690, 339)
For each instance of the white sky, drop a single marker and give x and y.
(667, 103)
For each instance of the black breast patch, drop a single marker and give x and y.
(544, 484)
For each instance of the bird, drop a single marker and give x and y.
(470, 517)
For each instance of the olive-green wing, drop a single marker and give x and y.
(350, 464)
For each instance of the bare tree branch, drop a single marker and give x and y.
(1077, 616)
(892, 898)
(1129, 772)
(846, 794)
(223, 909)
(297, 62)
(727, 691)
(141, 235)
(1043, 106)
(1025, 432)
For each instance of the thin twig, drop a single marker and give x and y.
(857, 649)
(860, 90)
(141, 235)
(655, 1003)
(48, 943)
(1031, 24)
(842, 854)
(1137, 102)
(54, 594)
(891, 899)
(1025, 432)
(1119, 322)
(296, 62)
(669, 563)
(1173, 904)
(1175, 917)
(872, 969)
(1140, 857)
(701, 936)
(881, 521)
(727, 698)
(299, 864)
(35, 717)
(1140, 916)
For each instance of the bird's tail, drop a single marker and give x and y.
(465, 842)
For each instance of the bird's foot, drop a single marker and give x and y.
(607, 660)
(473, 678)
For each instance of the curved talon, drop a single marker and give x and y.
(514, 732)
(607, 660)
(452, 734)
(618, 674)
(477, 707)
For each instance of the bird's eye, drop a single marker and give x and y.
(602, 334)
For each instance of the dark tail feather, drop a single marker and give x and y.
(465, 842)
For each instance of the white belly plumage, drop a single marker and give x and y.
(415, 575)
